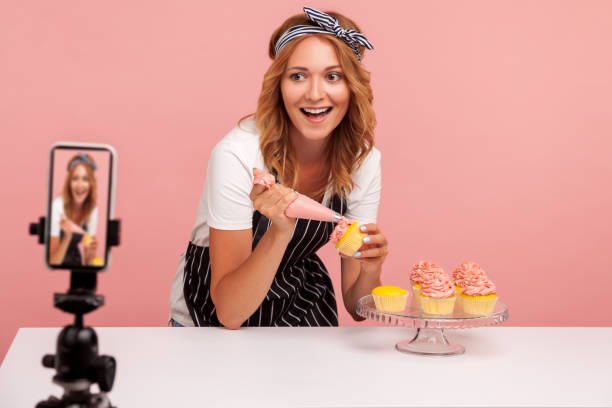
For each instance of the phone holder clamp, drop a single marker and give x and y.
(112, 236)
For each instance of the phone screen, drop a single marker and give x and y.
(79, 206)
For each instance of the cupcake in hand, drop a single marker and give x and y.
(437, 295)
(419, 272)
(479, 297)
(347, 237)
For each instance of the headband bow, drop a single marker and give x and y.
(326, 25)
(81, 158)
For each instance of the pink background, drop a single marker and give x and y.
(494, 123)
(102, 159)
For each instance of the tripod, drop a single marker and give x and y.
(76, 361)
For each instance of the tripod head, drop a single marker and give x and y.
(77, 345)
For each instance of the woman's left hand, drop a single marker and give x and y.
(362, 273)
(374, 250)
(90, 251)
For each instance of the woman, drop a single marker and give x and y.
(74, 214)
(247, 263)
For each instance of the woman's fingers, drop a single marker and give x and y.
(257, 190)
(375, 252)
(274, 201)
(374, 247)
(374, 240)
(267, 199)
(285, 200)
(368, 228)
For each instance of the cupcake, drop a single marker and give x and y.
(466, 273)
(419, 272)
(87, 240)
(347, 237)
(479, 297)
(437, 295)
(97, 262)
(390, 298)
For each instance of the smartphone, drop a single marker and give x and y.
(80, 203)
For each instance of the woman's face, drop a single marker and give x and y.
(314, 90)
(79, 184)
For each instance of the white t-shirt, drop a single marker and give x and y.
(225, 202)
(57, 209)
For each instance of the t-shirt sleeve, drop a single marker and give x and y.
(363, 201)
(92, 225)
(229, 181)
(56, 213)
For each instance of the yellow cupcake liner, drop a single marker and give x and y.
(437, 306)
(390, 303)
(87, 240)
(478, 305)
(351, 241)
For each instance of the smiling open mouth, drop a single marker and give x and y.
(315, 113)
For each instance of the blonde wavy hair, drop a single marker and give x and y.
(349, 143)
(92, 197)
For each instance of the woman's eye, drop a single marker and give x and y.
(334, 76)
(297, 76)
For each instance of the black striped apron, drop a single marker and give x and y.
(301, 293)
(73, 253)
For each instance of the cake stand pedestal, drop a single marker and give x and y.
(430, 338)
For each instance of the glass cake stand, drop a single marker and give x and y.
(429, 338)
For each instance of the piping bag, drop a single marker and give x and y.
(303, 206)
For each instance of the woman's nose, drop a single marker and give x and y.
(315, 90)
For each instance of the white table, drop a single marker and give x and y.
(331, 367)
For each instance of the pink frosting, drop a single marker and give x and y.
(423, 268)
(438, 285)
(480, 287)
(339, 231)
(468, 272)
(431, 276)
(263, 178)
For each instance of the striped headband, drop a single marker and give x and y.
(81, 158)
(326, 25)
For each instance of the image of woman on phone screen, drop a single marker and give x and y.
(74, 216)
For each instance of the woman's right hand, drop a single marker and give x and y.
(272, 202)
